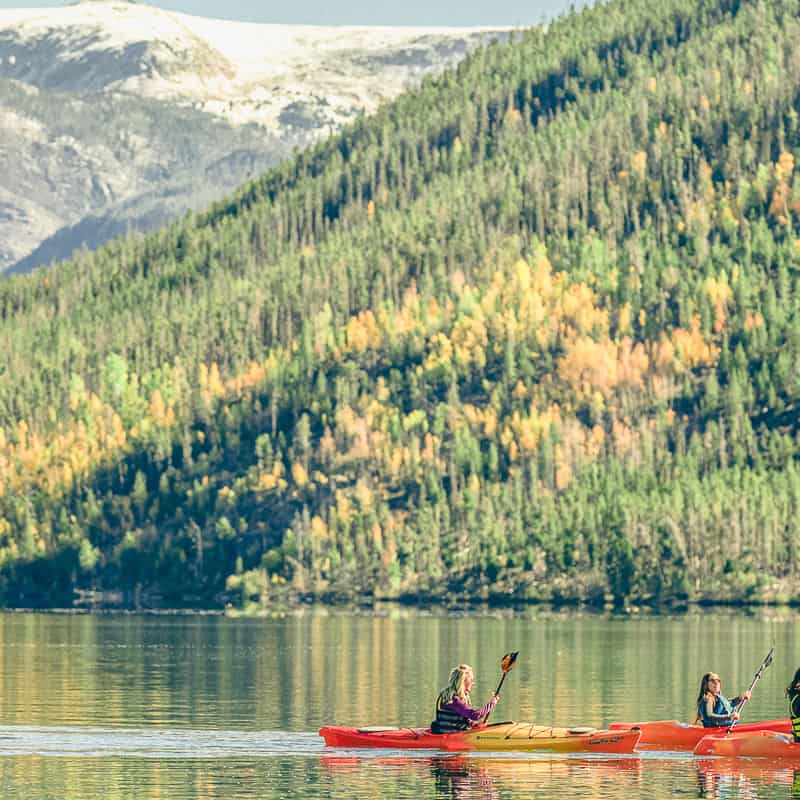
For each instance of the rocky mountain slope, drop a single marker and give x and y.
(118, 116)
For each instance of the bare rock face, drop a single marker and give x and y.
(118, 116)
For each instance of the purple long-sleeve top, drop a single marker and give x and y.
(458, 706)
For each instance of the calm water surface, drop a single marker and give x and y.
(189, 707)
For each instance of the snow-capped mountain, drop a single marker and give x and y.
(118, 115)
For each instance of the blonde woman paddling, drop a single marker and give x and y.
(453, 709)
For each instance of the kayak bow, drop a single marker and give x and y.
(756, 744)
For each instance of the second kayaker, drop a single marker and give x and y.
(793, 693)
(714, 710)
(453, 709)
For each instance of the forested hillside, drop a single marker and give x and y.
(530, 332)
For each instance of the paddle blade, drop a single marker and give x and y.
(509, 659)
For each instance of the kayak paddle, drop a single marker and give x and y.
(764, 664)
(507, 664)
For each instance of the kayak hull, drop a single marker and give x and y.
(756, 744)
(514, 736)
(674, 735)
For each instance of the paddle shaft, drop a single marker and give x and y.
(496, 691)
(756, 678)
(500, 685)
(506, 664)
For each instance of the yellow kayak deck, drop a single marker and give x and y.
(525, 736)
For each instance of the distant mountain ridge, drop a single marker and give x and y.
(120, 116)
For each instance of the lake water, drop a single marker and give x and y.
(189, 707)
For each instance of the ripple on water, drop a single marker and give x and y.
(161, 743)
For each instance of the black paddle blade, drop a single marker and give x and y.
(768, 659)
(509, 659)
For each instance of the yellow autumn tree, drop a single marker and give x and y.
(299, 474)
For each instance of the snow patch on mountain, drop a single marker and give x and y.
(246, 72)
(120, 116)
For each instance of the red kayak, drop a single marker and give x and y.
(754, 744)
(518, 736)
(673, 735)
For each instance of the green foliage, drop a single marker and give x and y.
(529, 331)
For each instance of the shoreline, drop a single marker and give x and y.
(383, 607)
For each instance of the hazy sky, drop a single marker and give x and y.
(357, 12)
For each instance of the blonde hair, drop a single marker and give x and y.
(455, 686)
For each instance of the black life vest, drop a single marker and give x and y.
(448, 721)
(794, 713)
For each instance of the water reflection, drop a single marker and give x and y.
(748, 779)
(198, 707)
(299, 672)
(459, 777)
(479, 777)
(464, 778)
(357, 777)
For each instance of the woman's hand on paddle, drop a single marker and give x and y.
(493, 702)
(745, 695)
(735, 715)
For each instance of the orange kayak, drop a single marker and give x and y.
(756, 744)
(517, 736)
(670, 734)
